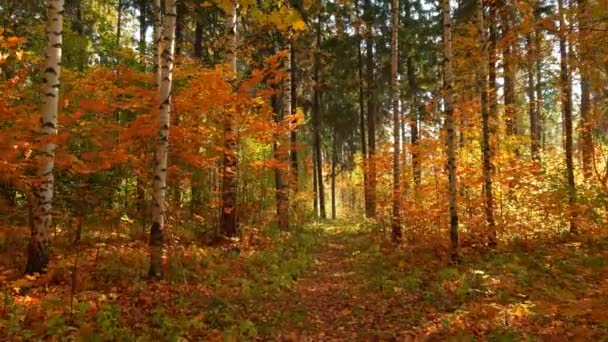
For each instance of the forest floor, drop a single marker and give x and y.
(328, 282)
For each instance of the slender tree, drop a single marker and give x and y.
(485, 124)
(42, 188)
(162, 147)
(293, 137)
(585, 109)
(371, 109)
(566, 101)
(394, 100)
(334, 161)
(316, 124)
(360, 81)
(532, 103)
(228, 225)
(509, 69)
(448, 79)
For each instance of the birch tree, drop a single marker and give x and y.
(448, 79)
(42, 189)
(228, 207)
(162, 145)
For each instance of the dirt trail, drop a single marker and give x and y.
(334, 297)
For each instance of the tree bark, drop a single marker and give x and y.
(158, 34)
(334, 160)
(539, 85)
(492, 56)
(228, 222)
(315, 182)
(316, 113)
(509, 72)
(586, 124)
(198, 38)
(449, 126)
(162, 147)
(42, 188)
(566, 101)
(532, 103)
(486, 148)
(416, 108)
(293, 137)
(362, 118)
(394, 100)
(142, 33)
(371, 109)
(281, 199)
(118, 22)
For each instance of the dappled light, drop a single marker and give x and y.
(353, 170)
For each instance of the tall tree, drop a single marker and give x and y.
(566, 101)
(371, 109)
(394, 100)
(509, 69)
(448, 79)
(162, 146)
(485, 124)
(293, 137)
(532, 103)
(585, 109)
(42, 189)
(228, 225)
(282, 191)
(316, 124)
(360, 81)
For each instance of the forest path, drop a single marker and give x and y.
(335, 294)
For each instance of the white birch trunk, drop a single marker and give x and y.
(38, 250)
(448, 90)
(162, 147)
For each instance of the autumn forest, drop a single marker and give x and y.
(317, 170)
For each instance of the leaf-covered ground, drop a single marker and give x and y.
(331, 282)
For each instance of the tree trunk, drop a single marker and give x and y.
(42, 189)
(533, 105)
(371, 109)
(566, 100)
(158, 35)
(179, 23)
(449, 126)
(315, 182)
(486, 148)
(198, 38)
(509, 73)
(362, 117)
(142, 33)
(394, 101)
(586, 125)
(492, 86)
(416, 107)
(293, 138)
(162, 147)
(281, 198)
(334, 160)
(118, 22)
(539, 84)
(228, 224)
(316, 113)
